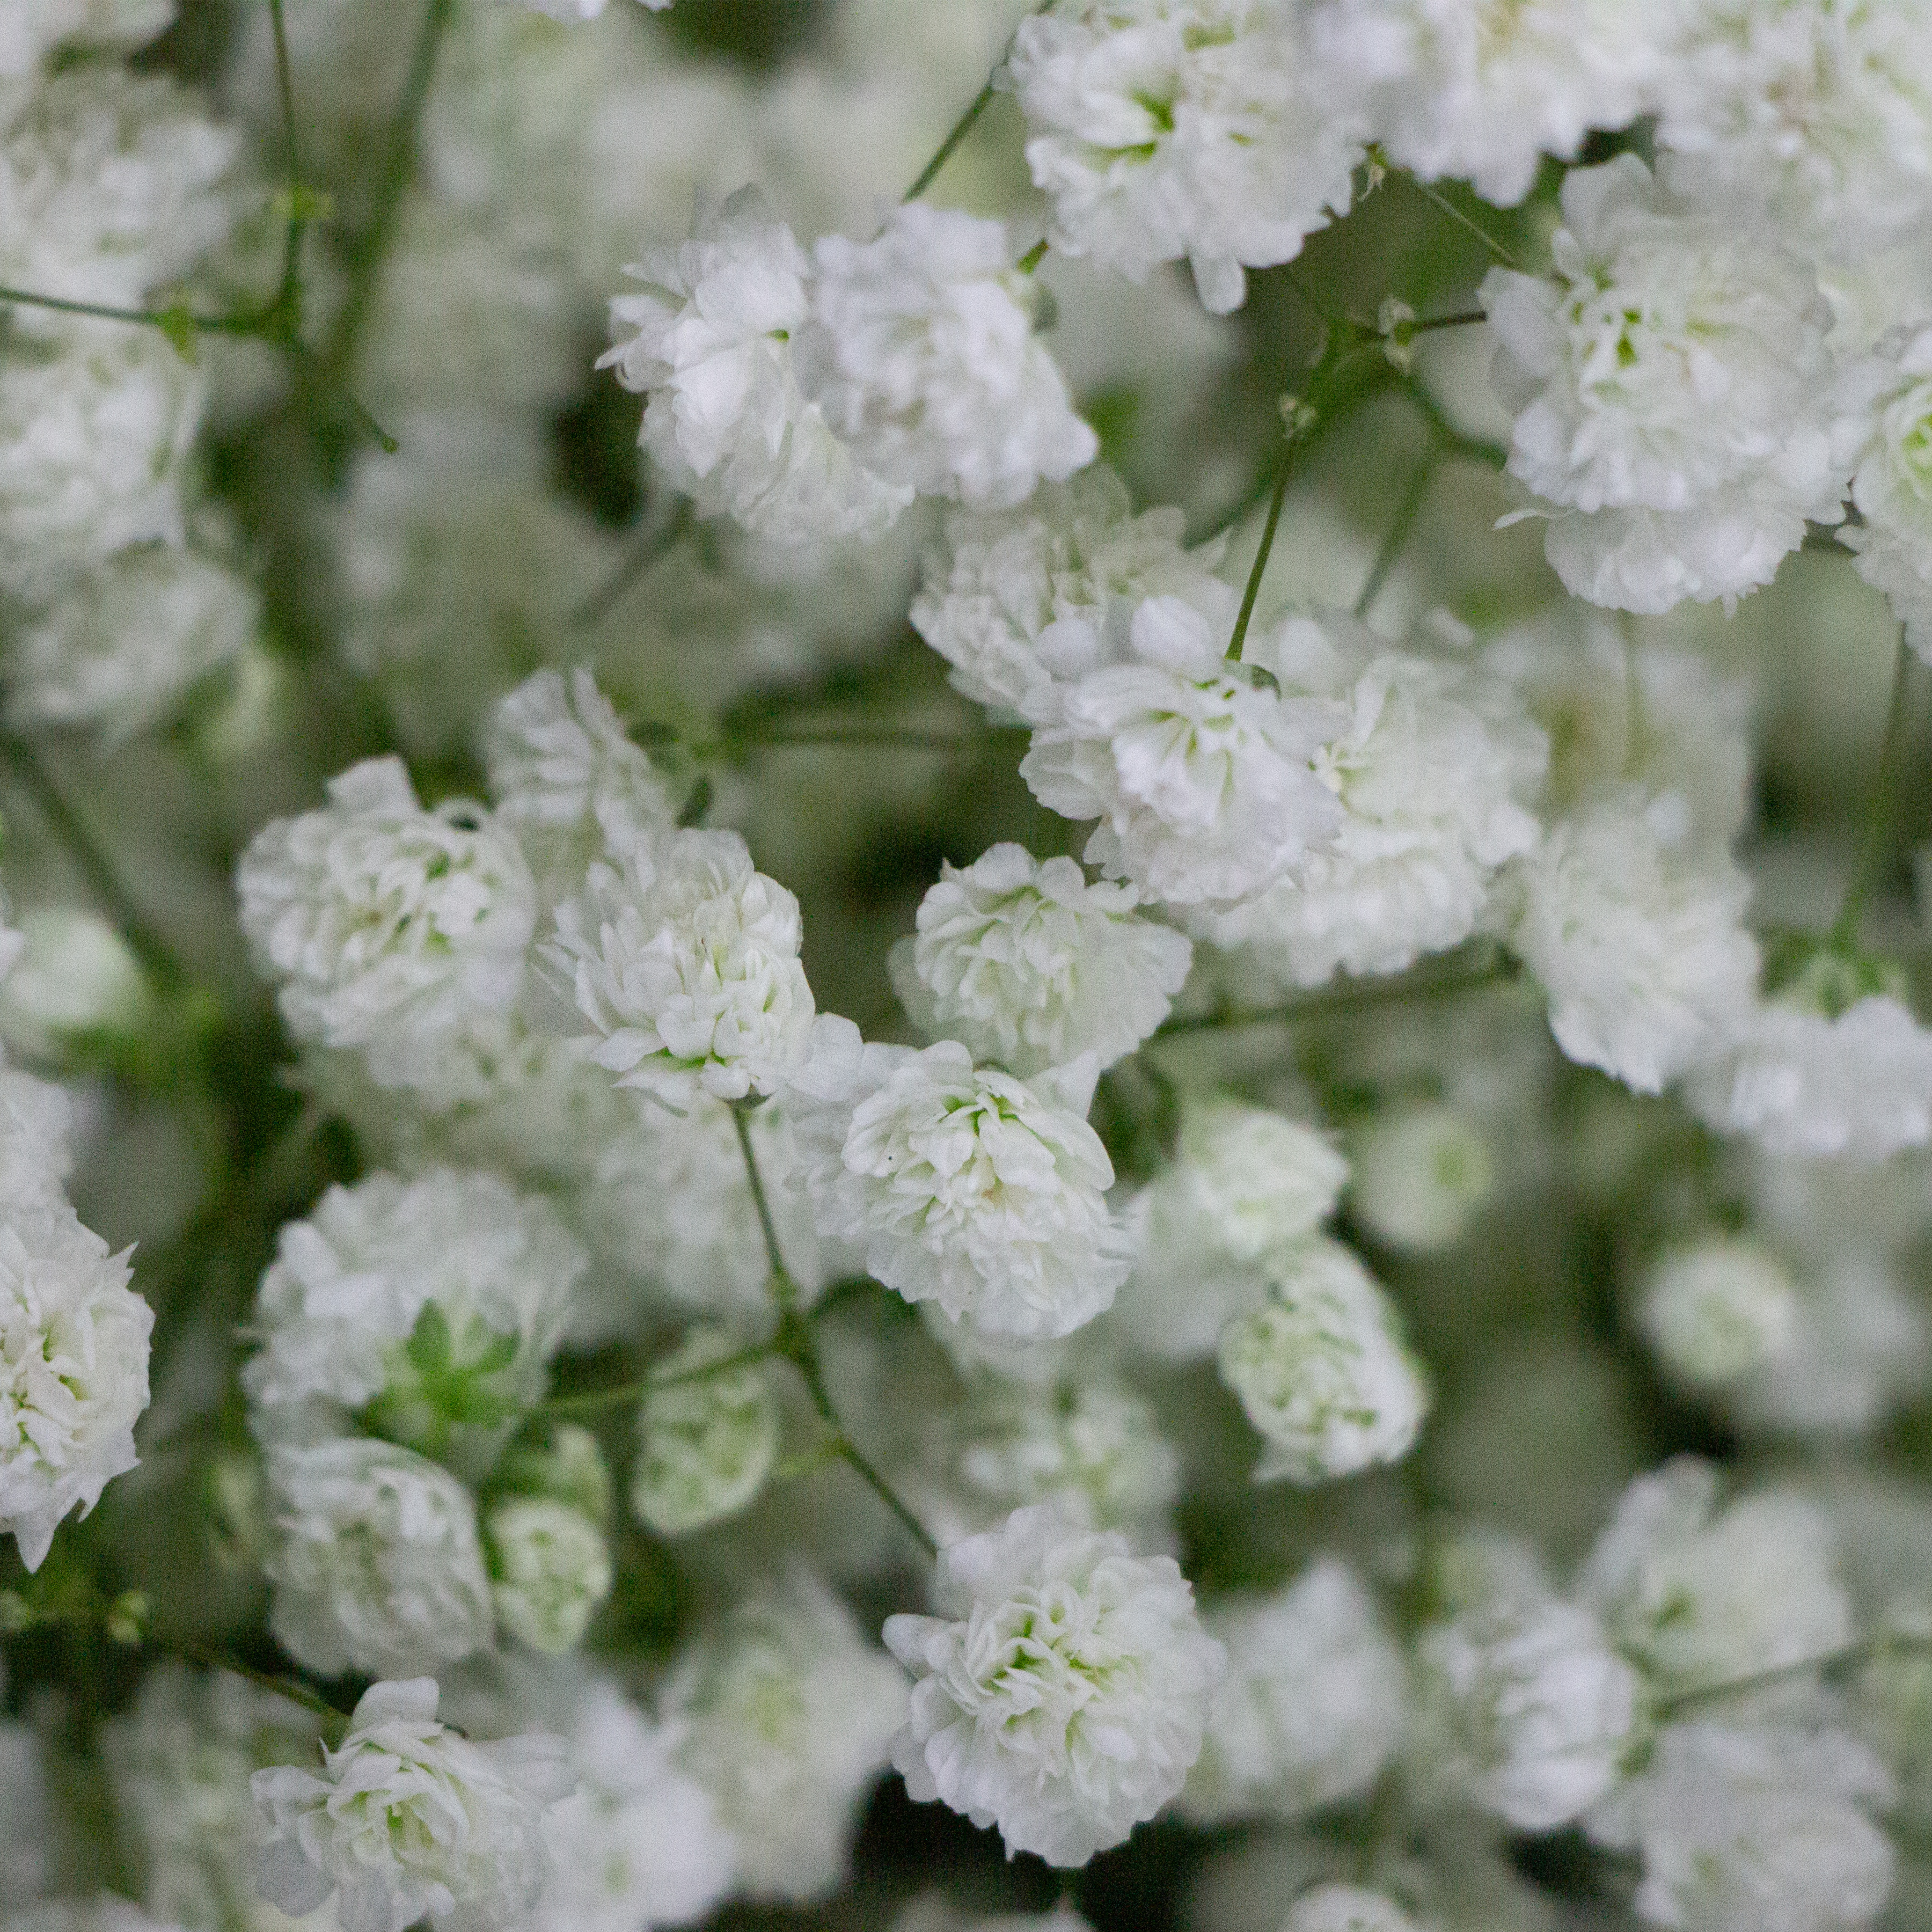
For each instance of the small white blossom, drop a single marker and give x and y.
(1311, 1707)
(550, 1570)
(1166, 128)
(434, 1305)
(1483, 93)
(1245, 1182)
(1320, 1370)
(119, 648)
(1755, 1828)
(1638, 937)
(409, 1820)
(388, 927)
(1673, 389)
(1696, 1595)
(73, 1371)
(564, 774)
(712, 339)
(1062, 1690)
(685, 959)
(1347, 1908)
(921, 352)
(1018, 599)
(960, 1184)
(1892, 486)
(1203, 777)
(1433, 766)
(96, 422)
(1026, 964)
(112, 185)
(374, 1559)
(1523, 1707)
(1856, 1082)
(1818, 112)
(705, 1442)
(638, 1844)
(1421, 1173)
(76, 978)
(785, 1714)
(1718, 1310)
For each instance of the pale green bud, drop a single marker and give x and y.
(549, 1570)
(1422, 1175)
(1718, 1310)
(705, 1445)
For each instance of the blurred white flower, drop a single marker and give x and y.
(706, 1440)
(550, 1570)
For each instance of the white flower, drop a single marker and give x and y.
(432, 1306)
(705, 1442)
(1433, 766)
(637, 1844)
(685, 959)
(179, 1762)
(73, 1371)
(712, 341)
(1320, 1370)
(95, 425)
(1696, 1596)
(388, 927)
(1422, 1172)
(550, 1570)
(1165, 128)
(1026, 964)
(1091, 1446)
(1245, 1182)
(1484, 91)
(1018, 599)
(32, 29)
(921, 352)
(76, 978)
(374, 1558)
(1311, 1707)
(1855, 1082)
(36, 1123)
(1673, 392)
(1637, 935)
(1062, 1690)
(113, 184)
(961, 1185)
(120, 648)
(1818, 111)
(1755, 1828)
(408, 1820)
(1204, 776)
(1892, 484)
(785, 1714)
(1718, 1310)
(564, 774)
(1523, 1706)
(1346, 1908)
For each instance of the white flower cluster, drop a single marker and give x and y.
(813, 398)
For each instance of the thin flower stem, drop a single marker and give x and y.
(150, 318)
(652, 544)
(1406, 513)
(1875, 848)
(399, 167)
(1492, 969)
(794, 1341)
(288, 305)
(963, 125)
(1863, 1651)
(290, 1688)
(1463, 318)
(1033, 256)
(1284, 474)
(623, 1394)
(154, 952)
(1456, 215)
(906, 737)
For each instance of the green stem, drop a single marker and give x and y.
(154, 953)
(1492, 969)
(1862, 1652)
(292, 1688)
(623, 1394)
(960, 130)
(1284, 472)
(1875, 852)
(399, 167)
(905, 737)
(1406, 513)
(171, 322)
(1465, 318)
(1456, 215)
(653, 544)
(794, 1341)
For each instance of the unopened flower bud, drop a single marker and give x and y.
(705, 1445)
(549, 1570)
(1422, 1175)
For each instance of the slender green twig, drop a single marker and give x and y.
(399, 167)
(174, 321)
(1406, 513)
(1876, 847)
(653, 543)
(1491, 968)
(621, 1395)
(785, 1289)
(964, 126)
(293, 1689)
(1456, 215)
(1284, 474)
(152, 950)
